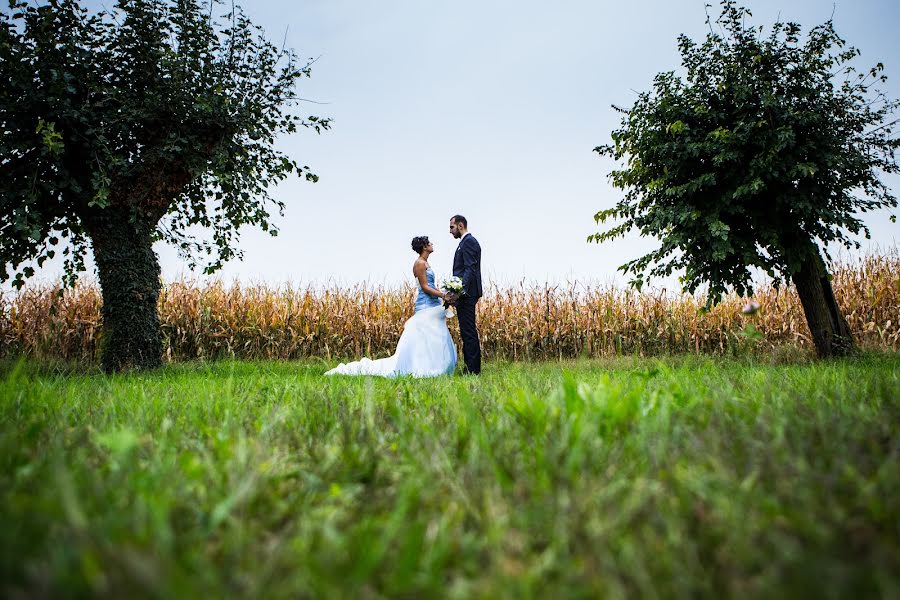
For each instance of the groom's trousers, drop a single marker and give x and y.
(468, 331)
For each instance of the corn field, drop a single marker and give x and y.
(516, 323)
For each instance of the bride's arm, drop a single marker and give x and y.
(419, 272)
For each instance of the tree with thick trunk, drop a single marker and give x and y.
(830, 333)
(127, 126)
(766, 152)
(128, 270)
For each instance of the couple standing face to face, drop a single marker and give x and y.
(425, 348)
(466, 266)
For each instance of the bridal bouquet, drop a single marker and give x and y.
(453, 285)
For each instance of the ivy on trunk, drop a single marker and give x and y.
(766, 150)
(129, 279)
(123, 127)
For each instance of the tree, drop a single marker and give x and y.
(767, 148)
(146, 122)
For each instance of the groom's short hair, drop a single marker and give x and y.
(460, 219)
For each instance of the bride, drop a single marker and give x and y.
(425, 348)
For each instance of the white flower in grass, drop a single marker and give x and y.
(750, 308)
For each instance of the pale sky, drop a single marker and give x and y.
(490, 109)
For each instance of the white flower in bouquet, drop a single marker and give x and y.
(452, 285)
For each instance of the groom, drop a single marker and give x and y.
(467, 266)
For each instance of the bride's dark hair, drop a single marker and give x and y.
(419, 243)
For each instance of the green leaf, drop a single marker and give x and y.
(677, 127)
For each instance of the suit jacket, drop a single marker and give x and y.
(467, 266)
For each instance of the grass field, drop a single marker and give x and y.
(626, 477)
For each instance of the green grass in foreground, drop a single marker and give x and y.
(620, 478)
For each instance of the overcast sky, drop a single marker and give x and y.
(490, 109)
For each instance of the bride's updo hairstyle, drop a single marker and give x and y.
(419, 243)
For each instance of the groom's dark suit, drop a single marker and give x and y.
(467, 266)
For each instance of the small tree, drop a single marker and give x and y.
(143, 123)
(766, 149)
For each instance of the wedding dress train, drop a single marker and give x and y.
(425, 348)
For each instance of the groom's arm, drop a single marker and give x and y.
(471, 256)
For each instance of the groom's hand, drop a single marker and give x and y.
(451, 298)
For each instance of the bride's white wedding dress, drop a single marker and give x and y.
(425, 348)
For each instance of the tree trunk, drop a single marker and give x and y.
(129, 279)
(830, 331)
